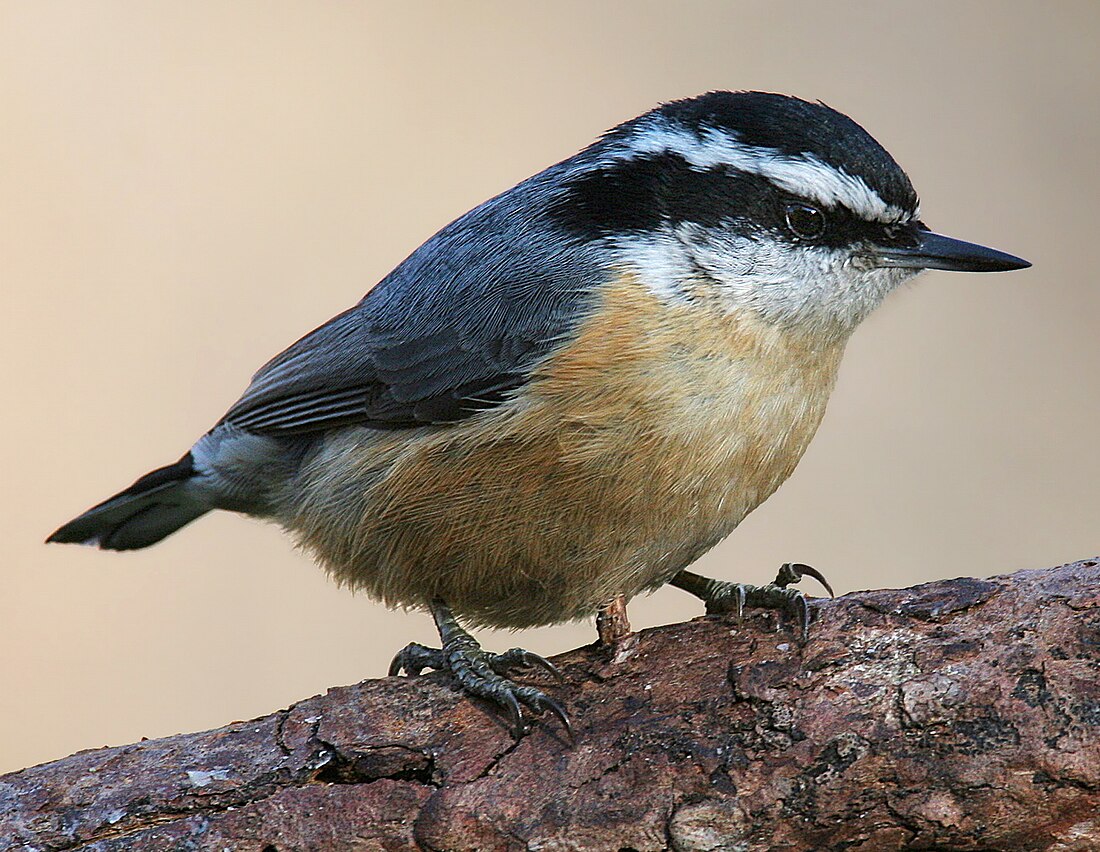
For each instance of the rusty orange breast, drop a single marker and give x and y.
(634, 449)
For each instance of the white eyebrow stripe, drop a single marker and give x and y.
(804, 175)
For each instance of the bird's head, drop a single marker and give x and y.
(763, 201)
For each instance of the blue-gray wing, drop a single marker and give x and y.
(454, 329)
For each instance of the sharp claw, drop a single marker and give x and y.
(413, 658)
(721, 598)
(515, 714)
(792, 572)
(810, 571)
(548, 703)
(481, 674)
(544, 664)
(519, 658)
(803, 606)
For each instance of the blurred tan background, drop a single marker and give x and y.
(187, 187)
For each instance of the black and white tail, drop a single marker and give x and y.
(155, 506)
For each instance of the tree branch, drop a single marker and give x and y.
(962, 714)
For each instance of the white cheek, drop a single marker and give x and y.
(800, 286)
(659, 261)
(813, 288)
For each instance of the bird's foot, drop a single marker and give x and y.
(725, 598)
(481, 673)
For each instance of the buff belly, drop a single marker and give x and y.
(632, 451)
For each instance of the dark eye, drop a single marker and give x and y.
(805, 221)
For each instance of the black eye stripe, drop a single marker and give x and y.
(646, 193)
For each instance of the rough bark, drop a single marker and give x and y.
(956, 715)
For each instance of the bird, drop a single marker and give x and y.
(570, 393)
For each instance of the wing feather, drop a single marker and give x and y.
(453, 330)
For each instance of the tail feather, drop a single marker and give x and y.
(155, 506)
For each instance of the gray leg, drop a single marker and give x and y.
(479, 672)
(723, 598)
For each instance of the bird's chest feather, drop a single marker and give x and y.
(629, 453)
(700, 412)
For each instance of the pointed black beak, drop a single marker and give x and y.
(934, 251)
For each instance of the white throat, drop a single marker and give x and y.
(815, 289)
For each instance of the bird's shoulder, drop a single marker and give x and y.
(456, 328)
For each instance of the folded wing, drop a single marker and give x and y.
(455, 329)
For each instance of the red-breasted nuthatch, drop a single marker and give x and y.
(573, 391)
